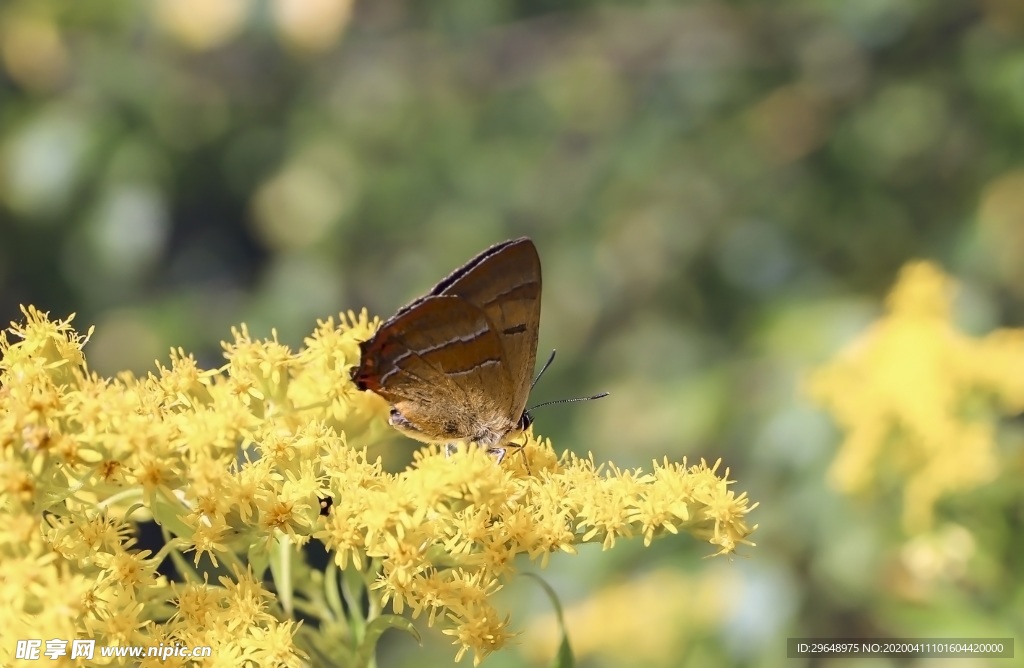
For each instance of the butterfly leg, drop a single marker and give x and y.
(499, 453)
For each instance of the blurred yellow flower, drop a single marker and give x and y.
(311, 25)
(930, 559)
(32, 49)
(667, 610)
(201, 25)
(233, 463)
(915, 397)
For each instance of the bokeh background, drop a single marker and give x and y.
(722, 194)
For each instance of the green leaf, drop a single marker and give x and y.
(327, 646)
(564, 658)
(352, 587)
(259, 559)
(375, 629)
(332, 592)
(167, 513)
(281, 570)
(186, 569)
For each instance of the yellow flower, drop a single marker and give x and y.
(914, 396)
(233, 464)
(198, 605)
(247, 600)
(208, 534)
(482, 631)
(120, 619)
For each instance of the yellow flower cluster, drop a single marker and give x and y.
(233, 465)
(915, 397)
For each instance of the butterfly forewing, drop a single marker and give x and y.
(505, 281)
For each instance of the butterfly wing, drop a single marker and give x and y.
(441, 366)
(505, 282)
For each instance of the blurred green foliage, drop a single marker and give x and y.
(721, 193)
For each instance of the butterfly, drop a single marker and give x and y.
(456, 364)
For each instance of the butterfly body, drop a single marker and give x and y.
(456, 364)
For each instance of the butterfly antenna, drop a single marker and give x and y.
(551, 359)
(568, 401)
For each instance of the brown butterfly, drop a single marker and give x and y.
(456, 363)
